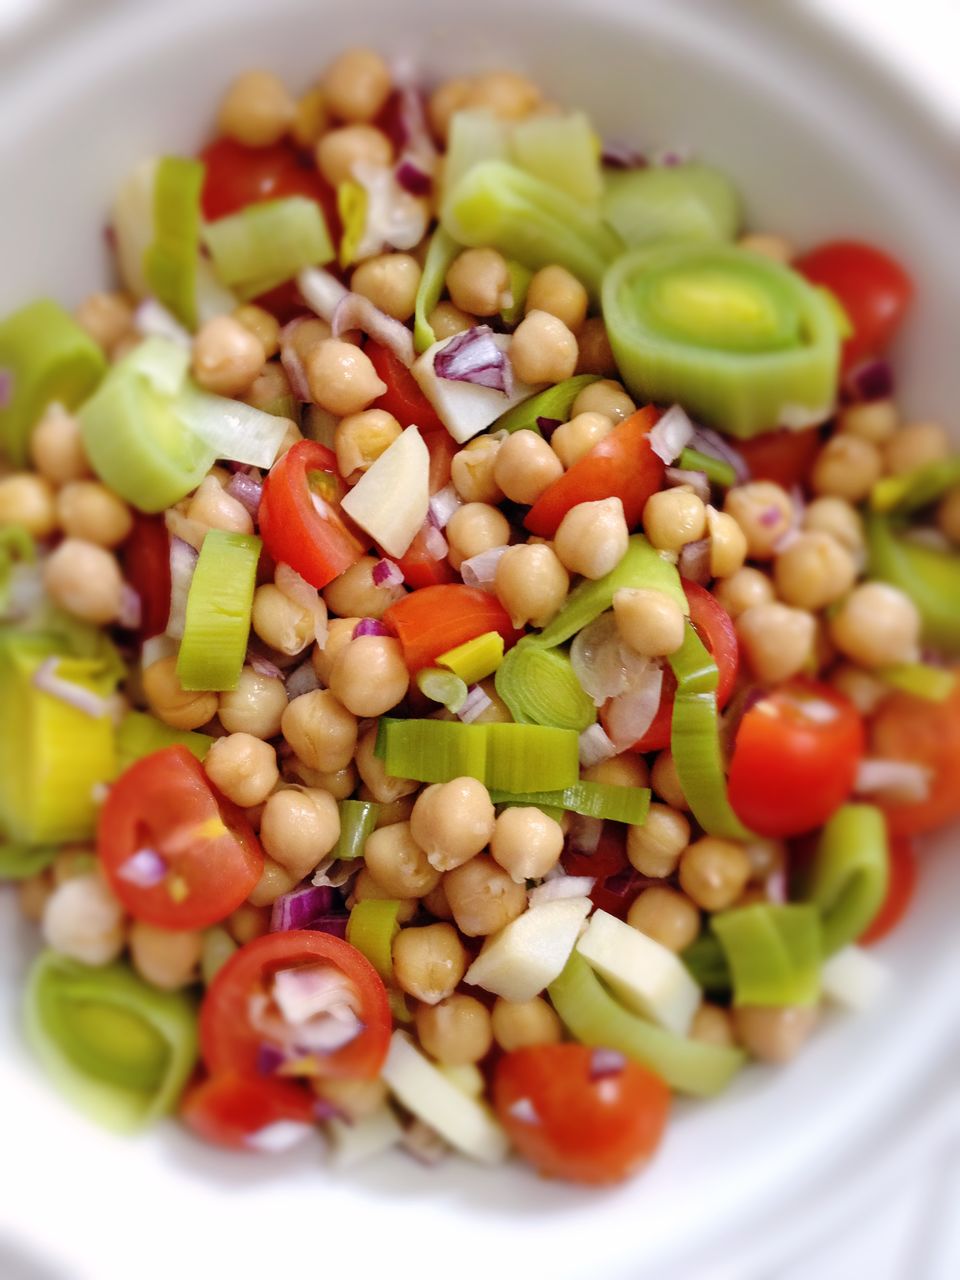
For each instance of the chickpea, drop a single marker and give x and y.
(274, 882)
(356, 85)
(263, 326)
(837, 518)
(713, 1025)
(531, 583)
(84, 580)
(445, 101)
(170, 702)
(651, 623)
(592, 538)
(311, 118)
(665, 915)
(339, 634)
(397, 862)
(366, 889)
(478, 281)
(742, 589)
(355, 595)
(340, 150)
(243, 767)
(674, 517)
(626, 770)
(728, 544)
(948, 515)
(876, 626)
(874, 420)
(525, 466)
(429, 962)
(452, 822)
(254, 706)
(435, 902)
(247, 922)
(227, 356)
(56, 448)
(774, 247)
(382, 787)
(322, 732)
(270, 390)
(556, 291)
(369, 675)
(90, 511)
(299, 827)
(654, 848)
(594, 353)
(390, 281)
(814, 571)
(166, 958)
(472, 471)
(498, 712)
(604, 397)
(483, 897)
(214, 508)
(473, 528)
(280, 622)
(447, 321)
(846, 467)
(526, 843)
(764, 511)
(106, 317)
(776, 1034)
(361, 438)
(714, 872)
(520, 1024)
(916, 445)
(354, 1099)
(456, 1031)
(507, 94)
(573, 440)
(341, 783)
(256, 110)
(28, 500)
(543, 349)
(665, 781)
(778, 640)
(82, 919)
(72, 862)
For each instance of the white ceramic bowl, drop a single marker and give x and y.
(821, 145)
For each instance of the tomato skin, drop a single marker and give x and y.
(166, 802)
(872, 286)
(593, 1131)
(229, 1043)
(608, 859)
(237, 176)
(622, 465)
(906, 728)
(785, 457)
(900, 890)
(146, 563)
(320, 548)
(229, 1110)
(438, 618)
(791, 771)
(403, 397)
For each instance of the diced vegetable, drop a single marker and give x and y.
(170, 262)
(391, 499)
(505, 757)
(357, 820)
(435, 619)
(853, 978)
(555, 402)
(933, 684)
(680, 202)
(474, 659)
(931, 579)
(520, 276)
(265, 244)
(140, 734)
(217, 625)
(716, 470)
(562, 150)
(540, 686)
(917, 488)
(530, 952)
(232, 429)
(372, 927)
(591, 799)
(474, 136)
(466, 408)
(132, 223)
(21, 861)
(773, 951)
(440, 255)
(443, 687)
(850, 874)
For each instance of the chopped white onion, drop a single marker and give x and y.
(45, 679)
(291, 360)
(183, 564)
(584, 834)
(434, 542)
(156, 649)
(603, 665)
(354, 311)
(234, 430)
(671, 434)
(443, 505)
(676, 477)
(595, 747)
(390, 501)
(632, 712)
(303, 993)
(481, 570)
(524, 1111)
(561, 887)
(153, 320)
(297, 589)
(908, 781)
(282, 1135)
(321, 291)
(854, 978)
(476, 704)
(394, 217)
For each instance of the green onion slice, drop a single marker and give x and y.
(707, 964)
(774, 952)
(716, 470)
(371, 928)
(540, 686)
(917, 488)
(591, 799)
(929, 577)
(555, 403)
(170, 263)
(520, 277)
(443, 687)
(850, 874)
(506, 757)
(440, 255)
(267, 243)
(219, 604)
(357, 821)
(685, 202)
(141, 734)
(933, 684)
(562, 150)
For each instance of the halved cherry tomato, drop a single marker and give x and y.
(146, 563)
(431, 621)
(237, 176)
(421, 568)
(783, 456)
(403, 397)
(873, 287)
(608, 859)
(907, 728)
(901, 887)
(231, 1110)
(165, 803)
(795, 758)
(574, 1115)
(441, 446)
(718, 633)
(301, 524)
(621, 466)
(229, 1042)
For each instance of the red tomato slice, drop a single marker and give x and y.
(146, 564)
(718, 633)
(315, 542)
(900, 890)
(431, 621)
(608, 859)
(231, 1110)
(403, 397)
(228, 1041)
(621, 466)
(785, 457)
(573, 1116)
(421, 568)
(441, 446)
(165, 803)
(907, 728)
(795, 758)
(237, 176)
(873, 287)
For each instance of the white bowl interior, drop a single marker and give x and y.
(821, 146)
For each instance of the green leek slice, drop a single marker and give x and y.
(591, 799)
(933, 684)
(45, 357)
(473, 137)
(219, 604)
(562, 150)
(170, 263)
(594, 1017)
(267, 243)
(850, 873)
(707, 964)
(476, 659)
(20, 861)
(716, 470)
(352, 206)
(774, 952)
(141, 734)
(742, 342)
(929, 577)
(357, 821)
(440, 255)
(540, 686)
(917, 488)
(686, 202)
(505, 757)
(556, 403)
(520, 277)
(371, 928)
(443, 687)
(119, 1048)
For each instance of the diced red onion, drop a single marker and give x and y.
(584, 833)
(297, 909)
(292, 363)
(481, 570)
(443, 505)
(595, 747)
(674, 477)
(354, 311)
(424, 1144)
(45, 679)
(605, 1063)
(6, 388)
(332, 922)
(297, 589)
(145, 868)
(669, 158)
(247, 492)
(321, 291)
(770, 516)
(671, 434)
(269, 1059)
(473, 356)
(280, 1136)
(434, 542)
(324, 1109)
(548, 426)
(694, 562)
(130, 614)
(385, 573)
(705, 440)
(412, 176)
(302, 680)
(524, 1111)
(370, 627)
(561, 887)
(910, 782)
(869, 380)
(618, 155)
(632, 712)
(797, 512)
(476, 704)
(625, 885)
(263, 666)
(153, 320)
(183, 562)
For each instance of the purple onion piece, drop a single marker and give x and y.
(247, 492)
(145, 869)
(770, 516)
(6, 388)
(443, 504)
(269, 1059)
(302, 679)
(705, 440)
(694, 563)
(869, 380)
(387, 574)
(674, 477)
(434, 542)
(332, 922)
(370, 627)
(297, 909)
(548, 426)
(131, 608)
(324, 1109)
(605, 1063)
(414, 179)
(263, 666)
(474, 357)
(619, 155)
(476, 704)
(354, 311)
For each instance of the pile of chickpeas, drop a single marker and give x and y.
(789, 576)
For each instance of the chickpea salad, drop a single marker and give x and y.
(478, 636)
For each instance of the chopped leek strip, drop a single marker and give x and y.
(357, 820)
(45, 357)
(476, 659)
(742, 341)
(119, 1048)
(352, 203)
(540, 686)
(216, 950)
(371, 928)
(170, 263)
(556, 402)
(716, 470)
(773, 951)
(917, 488)
(934, 684)
(232, 429)
(561, 150)
(217, 624)
(850, 874)
(505, 757)
(267, 243)
(707, 963)
(642, 566)
(440, 255)
(141, 734)
(592, 799)
(443, 687)
(473, 137)
(520, 277)
(695, 739)
(132, 221)
(686, 202)
(495, 204)
(930, 578)
(595, 1018)
(20, 861)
